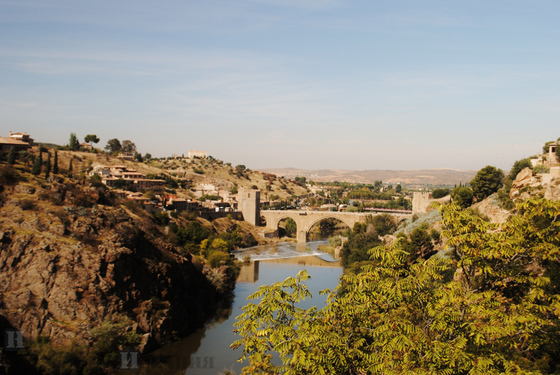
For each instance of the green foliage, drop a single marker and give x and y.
(218, 258)
(193, 232)
(74, 143)
(518, 166)
(91, 138)
(8, 175)
(55, 163)
(128, 147)
(113, 145)
(541, 169)
(161, 218)
(356, 249)
(51, 359)
(290, 227)
(463, 196)
(12, 156)
(440, 193)
(36, 168)
(491, 307)
(70, 168)
(207, 197)
(419, 244)
(486, 182)
(48, 166)
(383, 224)
(111, 337)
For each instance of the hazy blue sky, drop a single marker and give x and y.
(391, 84)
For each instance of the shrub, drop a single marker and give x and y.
(218, 258)
(440, 193)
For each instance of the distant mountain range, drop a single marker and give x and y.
(441, 176)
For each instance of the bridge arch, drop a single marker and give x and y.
(306, 219)
(333, 225)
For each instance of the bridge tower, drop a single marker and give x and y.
(249, 202)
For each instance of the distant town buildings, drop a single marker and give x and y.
(119, 176)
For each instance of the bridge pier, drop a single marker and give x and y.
(301, 235)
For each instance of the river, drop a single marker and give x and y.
(207, 351)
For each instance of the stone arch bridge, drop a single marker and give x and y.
(306, 219)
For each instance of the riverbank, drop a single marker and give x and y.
(207, 351)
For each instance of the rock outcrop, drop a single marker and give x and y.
(527, 184)
(65, 269)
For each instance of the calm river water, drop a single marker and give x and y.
(207, 351)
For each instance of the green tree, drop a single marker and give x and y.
(462, 195)
(37, 164)
(290, 226)
(55, 163)
(12, 156)
(128, 146)
(518, 166)
(36, 167)
(440, 193)
(398, 189)
(113, 145)
(48, 166)
(91, 138)
(74, 143)
(486, 182)
(492, 306)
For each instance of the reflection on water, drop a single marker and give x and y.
(282, 250)
(207, 351)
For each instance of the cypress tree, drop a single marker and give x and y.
(70, 168)
(12, 156)
(36, 168)
(48, 167)
(55, 163)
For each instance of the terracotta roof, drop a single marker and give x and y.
(12, 141)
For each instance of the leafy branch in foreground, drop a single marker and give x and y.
(491, 306)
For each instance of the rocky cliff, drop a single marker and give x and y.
(72, 257)
(527, 184)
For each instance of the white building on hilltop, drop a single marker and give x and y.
(197, 154)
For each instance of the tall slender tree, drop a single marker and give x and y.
(12, 156)
(48, 166)
(74, 143)
(55, 163)
(70, 168)
(36, 168)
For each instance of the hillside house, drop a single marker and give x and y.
(113, 176)
(18, 141)
(22, 137)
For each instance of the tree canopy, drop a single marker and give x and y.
(74, 143)
(113, 145)
(91, 138)
(463, 196)
(486, 182)
(128, 146)
(490, 306)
